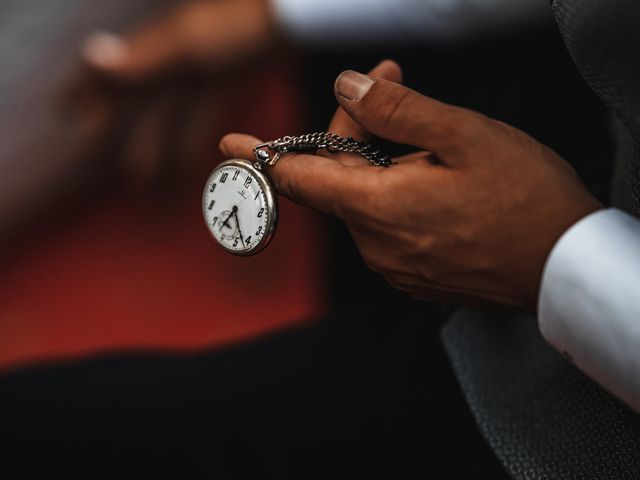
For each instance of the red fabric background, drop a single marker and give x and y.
(131, 275)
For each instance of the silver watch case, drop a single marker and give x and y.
(272, 205)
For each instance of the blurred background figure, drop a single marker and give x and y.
(110, 113)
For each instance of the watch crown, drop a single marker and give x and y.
(262, 156)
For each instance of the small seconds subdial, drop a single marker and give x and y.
(238, 208)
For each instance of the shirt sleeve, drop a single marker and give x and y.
(331, 22)
(589, 305)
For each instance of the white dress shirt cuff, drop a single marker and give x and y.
(371, 22)
(589, 307)
(332, 22)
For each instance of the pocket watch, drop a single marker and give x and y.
(240, 207)
(240, 203)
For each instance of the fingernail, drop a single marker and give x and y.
(105, 49)
(353, 85)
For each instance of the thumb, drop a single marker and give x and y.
(136, 57)
(397, 113)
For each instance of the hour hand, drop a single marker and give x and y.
(226, 222)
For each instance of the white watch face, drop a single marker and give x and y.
(239, 207)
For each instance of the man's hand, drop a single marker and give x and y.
(470, 219)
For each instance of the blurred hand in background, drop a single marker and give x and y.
(76, 106)
(164, 82)
(201, 35)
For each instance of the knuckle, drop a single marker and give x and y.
(284, 178)
(395, 282)
(373, 263)
(288, 188)
(461, 125)
(390, 111)
(375, 260)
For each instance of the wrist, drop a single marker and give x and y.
(572, 214)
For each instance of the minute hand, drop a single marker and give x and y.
(235, 212)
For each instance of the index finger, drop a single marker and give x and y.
(310, 180)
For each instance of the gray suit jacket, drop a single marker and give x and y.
(543, 417)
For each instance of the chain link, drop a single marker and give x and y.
(312, 142)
